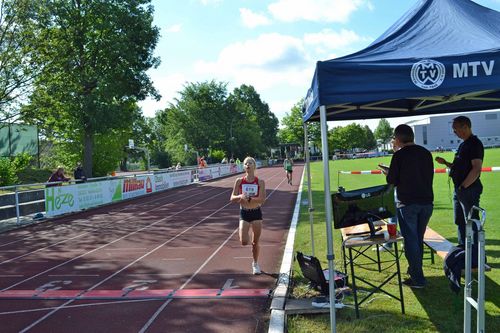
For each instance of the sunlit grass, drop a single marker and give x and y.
(433, 309)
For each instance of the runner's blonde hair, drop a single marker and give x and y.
(249, 158)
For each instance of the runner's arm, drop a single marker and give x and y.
(235, 195)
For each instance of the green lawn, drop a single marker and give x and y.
(433, 309)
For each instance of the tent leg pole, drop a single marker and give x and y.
(309, 189)
(329, 217)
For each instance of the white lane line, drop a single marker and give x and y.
(109, 243)
(164, 305)
(155, 274)
(88, 232)
(33, 324)
(78, 306)
(41, 249)
(187, 247)
(128, 249)
(56, 231)
(76, 275)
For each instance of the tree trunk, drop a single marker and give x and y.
(87, 153)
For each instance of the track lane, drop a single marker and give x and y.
(175, 253)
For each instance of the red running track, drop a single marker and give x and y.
(170, 262)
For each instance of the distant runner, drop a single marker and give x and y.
(288, 166)
(250, 193)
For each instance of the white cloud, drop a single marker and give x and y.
(168, 87)
(271, 52)
(329, 39)
(281, 107)
(174, 28)
(251, 19)
(316, 10)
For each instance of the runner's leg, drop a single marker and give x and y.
(256, 231)
(244, 228)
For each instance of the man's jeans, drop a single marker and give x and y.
(463, 200)
(413, 220)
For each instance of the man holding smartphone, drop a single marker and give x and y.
(411, 171)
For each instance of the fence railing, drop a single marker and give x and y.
(56, 198)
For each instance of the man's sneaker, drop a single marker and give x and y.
(256, 269)
(410, 283)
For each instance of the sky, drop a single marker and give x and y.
(272, 45)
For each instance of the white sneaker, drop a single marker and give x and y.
(256, 269)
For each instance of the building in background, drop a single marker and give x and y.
(435, 132)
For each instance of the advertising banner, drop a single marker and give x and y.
(225, 169)
(215, 172)
(61, 200)
(162, 182)
(91, 195)
(137, 186)
(204, 174)
(180, 178)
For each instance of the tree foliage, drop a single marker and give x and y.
(384, 131)
(18, 40)
(350, 137)
(292, 130)
(208, 119)
(94, 61)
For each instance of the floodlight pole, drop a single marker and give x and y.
(309, 189)
(329, 216)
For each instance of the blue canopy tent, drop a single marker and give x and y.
(442, 56)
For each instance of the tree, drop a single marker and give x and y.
(348, 138)
(94, 57)
(292, 130)
(17, 43)
(207, 120)
(370, 142)
(384, 131)
(266, 120)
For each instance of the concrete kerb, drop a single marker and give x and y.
(277, 321)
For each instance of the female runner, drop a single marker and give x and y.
(250, 193)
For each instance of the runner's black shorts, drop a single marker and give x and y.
(250, 215)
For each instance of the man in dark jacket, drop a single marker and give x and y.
(465, 172)
(79, 173)
(411, 172)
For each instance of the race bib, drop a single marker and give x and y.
(250, 189)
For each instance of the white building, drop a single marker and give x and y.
(435, 132)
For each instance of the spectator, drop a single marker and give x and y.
(465, 172)
(411, 171)
(178, 166)
(57, 176)
(231, 160)
(224, 160)
(203, 163)
(79, 173)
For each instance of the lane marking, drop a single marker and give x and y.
(85, 223)
(76, 275)
(125, 267)
(164, 305)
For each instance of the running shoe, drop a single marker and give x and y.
(256, 269)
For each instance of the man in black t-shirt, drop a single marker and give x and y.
(465, 172)
(412, 172)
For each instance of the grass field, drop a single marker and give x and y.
(432, 309)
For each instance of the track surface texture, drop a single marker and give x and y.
(169, 262)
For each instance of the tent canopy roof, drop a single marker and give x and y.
(442, 56)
